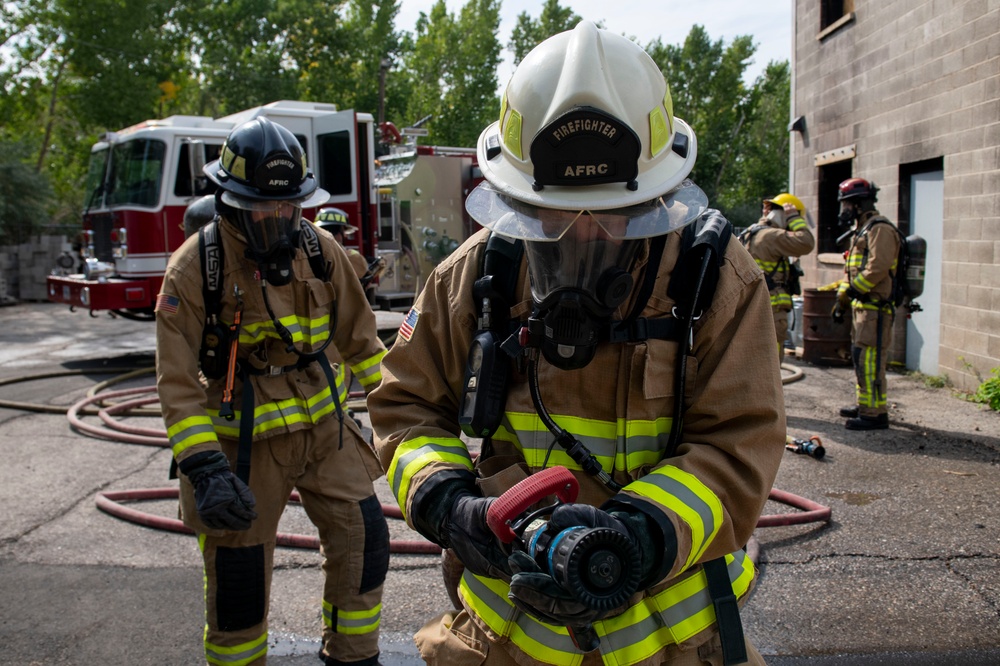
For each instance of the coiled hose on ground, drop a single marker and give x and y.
(107, 405)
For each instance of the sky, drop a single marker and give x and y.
(769, 23)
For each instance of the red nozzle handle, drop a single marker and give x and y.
(557, 481)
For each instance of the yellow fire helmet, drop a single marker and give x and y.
(586, 123)
(786, 198)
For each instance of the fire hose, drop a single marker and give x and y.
(131, 401)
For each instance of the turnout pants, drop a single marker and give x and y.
(780, 329)
(871, 337)
(335, 486)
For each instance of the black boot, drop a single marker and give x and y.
(880, 422)
(849, 412)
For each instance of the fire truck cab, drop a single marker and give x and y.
(142, 178)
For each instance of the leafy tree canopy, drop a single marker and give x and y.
(73, 69)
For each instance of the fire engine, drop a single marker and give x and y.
(406, 200)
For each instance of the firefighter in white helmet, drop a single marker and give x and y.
(290, 308)
(617, 363)
(780, 233)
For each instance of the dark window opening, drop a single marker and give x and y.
(832, 11)
(830, 229)
(184, 186)
(335, 162)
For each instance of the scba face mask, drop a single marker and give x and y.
(577, 284)
(272, 232)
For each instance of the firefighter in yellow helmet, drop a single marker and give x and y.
(780, 233)
(628, 317)
(867, 294)
(287, 303)
(334, 220)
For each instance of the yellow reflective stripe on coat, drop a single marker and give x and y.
(684, 494)
(237, 655)
(413, 455)
(623, 444)
(190, 431)
(781, 300)
(369, 371)
(352, 622)
(796, 224)
(303, 330)
(271, 415)
(673, 615)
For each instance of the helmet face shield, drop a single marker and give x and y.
(270, 225)
(585, 260)
(517, 219)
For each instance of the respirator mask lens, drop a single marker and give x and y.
(269, 225)
(577, 283)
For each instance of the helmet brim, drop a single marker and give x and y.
(215, 173)
(513, 218)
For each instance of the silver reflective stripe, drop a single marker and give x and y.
(403, 462)
(686, 496)
(532, 628)
(217, 654)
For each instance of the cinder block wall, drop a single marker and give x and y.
(24, 267)
(906, 81)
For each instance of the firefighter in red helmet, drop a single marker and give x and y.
(290, 311)
(867, 293)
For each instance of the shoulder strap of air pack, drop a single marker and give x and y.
(212, 258)
(314, 251)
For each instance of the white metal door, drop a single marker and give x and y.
(923, 330)
(336, 151)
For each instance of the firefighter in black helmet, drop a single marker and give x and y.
(291, 304)
(867, 292)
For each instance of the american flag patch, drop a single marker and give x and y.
(167, 303)
(409, 323)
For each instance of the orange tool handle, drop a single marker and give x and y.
(557, 481)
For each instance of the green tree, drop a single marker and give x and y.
(453, 65)
(529, 33)
(23, 193)
(760, 165)
(741, 129)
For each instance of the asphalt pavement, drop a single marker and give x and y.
(907, 570)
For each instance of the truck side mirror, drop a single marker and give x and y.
(196, 164)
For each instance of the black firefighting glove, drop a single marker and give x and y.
(537, 593)
(843, 304)
(465, 531)
(222, 500)
(449, 511)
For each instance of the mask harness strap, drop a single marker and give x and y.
(305, 358)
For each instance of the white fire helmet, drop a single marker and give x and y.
(586, 124)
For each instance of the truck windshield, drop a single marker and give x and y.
(95, 178)
(136, 172)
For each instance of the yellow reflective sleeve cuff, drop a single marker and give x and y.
(190, 431)
(689, 498)
(369, 371)
(415, 454)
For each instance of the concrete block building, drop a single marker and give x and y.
(906, 93)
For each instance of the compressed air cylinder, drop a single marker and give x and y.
(917, 249)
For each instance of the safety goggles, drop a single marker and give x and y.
(515, 219)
